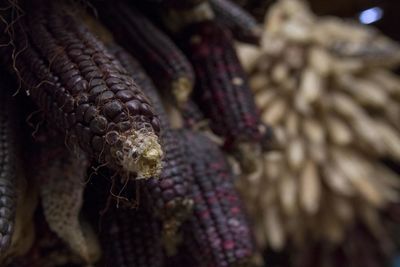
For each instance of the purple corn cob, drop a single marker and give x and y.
(221, 90)
(218, 234)
(84, 91)
(170, 193)
(156, 52)
(242, 25)
(8, 169)
(131, 238)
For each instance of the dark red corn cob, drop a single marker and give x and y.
(8, 168)
(156, 52)
(242, 25)
(170, 193)
(218, 234)
(131, 238)
(84, 91)
(221, 90)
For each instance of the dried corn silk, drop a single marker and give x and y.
(325, 87)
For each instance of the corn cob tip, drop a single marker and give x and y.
(141, 153)
(181, 89)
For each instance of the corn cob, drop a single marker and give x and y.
(221, 90)
(218, 233)
(156, 52)
(170, 193)
(8, 168)
(84, 91)
(132, 238)
(242, 25)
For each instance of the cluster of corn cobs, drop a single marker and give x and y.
(326, 88)
(101, 159)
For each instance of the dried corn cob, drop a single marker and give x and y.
(8, 168)
(156, 52)
(171, 192)
(84, 91)
(242, 25)
(132, 238)
(221, 91)
(218, 234)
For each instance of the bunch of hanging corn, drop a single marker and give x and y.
(325, 87)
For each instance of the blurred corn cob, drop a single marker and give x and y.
(221, 90)
(83, 90)
(156, 52)
(242, 25)
(218, 234)
(330, 113)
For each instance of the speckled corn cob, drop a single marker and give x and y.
(218, 234)
(221, 90)
(8, 168)
(84, 91)
(242, 25)
(170, 193)
(131, 238)
(156, 52)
